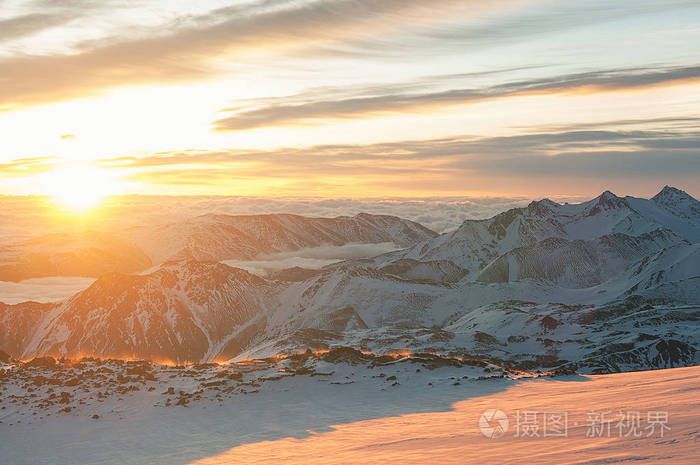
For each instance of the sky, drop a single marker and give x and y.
(349, 98)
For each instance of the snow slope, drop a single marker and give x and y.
(453, 437)
(183, 311)
(346, 413)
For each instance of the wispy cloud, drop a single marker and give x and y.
(407, 65)
(440, 165)
(26, 25)
(25, 167)
(40, 15)
(191, 47)
(298, 109)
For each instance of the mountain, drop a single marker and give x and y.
(20, 323)
(224, 237)
(620, 336)
(88, 254)
(606, 285)
(183, 311)
(478, 242)
(672, 274)
(576, 264)
(436, 271)
(207, 238)
(678, 203)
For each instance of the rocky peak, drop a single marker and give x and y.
(542, 207)
(605, 201)
(607, 196)
(672, 195)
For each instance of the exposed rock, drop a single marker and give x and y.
(345, 355)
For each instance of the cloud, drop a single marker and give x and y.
(220, 42)
(24, 217)
(25, 167)
(514, 164)
(678, 123)
(660, 164)
(397, 157)
(313, 257)
(190, 49)
(42, 289)
(40, 15)
(524, 22)
(26, 25)
(304, 108)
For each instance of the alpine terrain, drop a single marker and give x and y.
(612, 284)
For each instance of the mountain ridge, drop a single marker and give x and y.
(582, 266)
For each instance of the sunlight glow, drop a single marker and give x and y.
(79, 187)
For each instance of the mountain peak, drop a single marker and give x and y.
(543, 206)
(608, 199)
(671, 193)
(549, 203)
(607, 195)
(604, 202)
(679, 202)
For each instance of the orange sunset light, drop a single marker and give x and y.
(79, 188)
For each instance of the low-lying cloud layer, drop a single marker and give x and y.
(42, 289)
(25, 217)
(312, 258)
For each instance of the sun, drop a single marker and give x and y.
(79, 187)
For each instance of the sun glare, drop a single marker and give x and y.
(79, 188)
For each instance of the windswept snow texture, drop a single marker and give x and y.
(342, 407)
(611, 284)
(453, 437)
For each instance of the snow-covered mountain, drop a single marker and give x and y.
(609, 284)
(578, 263)
(670, 274)
(19, 324)
(206, 238)
(478, 242)
(679, 203)
(224, 237)
(185, 310)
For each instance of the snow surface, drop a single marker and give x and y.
(353, 416)
(453, 437)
